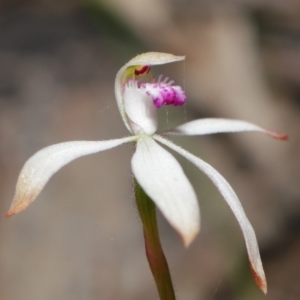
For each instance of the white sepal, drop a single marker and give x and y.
(212, 125)
(163, 180)
(42, 165)
(235, 205)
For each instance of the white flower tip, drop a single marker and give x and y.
(259, 277)
(22, 200)
(188, 238)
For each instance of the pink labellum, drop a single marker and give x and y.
(164, 93)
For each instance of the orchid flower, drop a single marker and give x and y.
(155, 169)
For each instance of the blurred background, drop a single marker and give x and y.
(82, 239)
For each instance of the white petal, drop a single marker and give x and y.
(162, 178)
(211, 125)
(150, 58)
(43, 164)
(235, 205)
(139, 109)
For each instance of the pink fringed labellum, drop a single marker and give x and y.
(164, 93)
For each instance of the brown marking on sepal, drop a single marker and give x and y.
(260, 281)
(9, 214)
(21, 201)
(15, 209)
(278, 136)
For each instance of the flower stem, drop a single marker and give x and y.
(156, 258)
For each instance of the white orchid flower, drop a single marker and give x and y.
(155, 169)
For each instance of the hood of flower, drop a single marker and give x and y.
(138, 68)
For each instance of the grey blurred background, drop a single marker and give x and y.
(82, 239)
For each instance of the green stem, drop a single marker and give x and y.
(156, 258)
